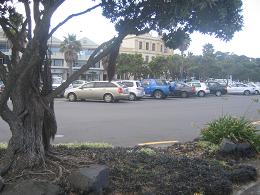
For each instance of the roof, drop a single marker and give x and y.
(87, 42)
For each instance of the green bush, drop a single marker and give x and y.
(236, 129)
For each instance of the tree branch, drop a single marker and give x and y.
(29, 20)
(70, 17)
(36, 11)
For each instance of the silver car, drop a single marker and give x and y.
(136, 91)
(239, 88)
(98, 90)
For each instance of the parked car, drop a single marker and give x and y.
(56, 82)
(2, 86)
(216, 88)
(98, 90)
(156, 88)
(201, 88)
(181, 89)
(136, 91)
(256, 87)
(239, 88)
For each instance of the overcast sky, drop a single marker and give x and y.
(97, 28)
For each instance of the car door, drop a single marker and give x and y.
(213, 87)
(147, 87)
(86, 91)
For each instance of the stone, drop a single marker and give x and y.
(30, 187)
(1, 183)
(227, 146)
(90, 179)
(246, 150)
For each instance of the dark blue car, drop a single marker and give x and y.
(156, 88)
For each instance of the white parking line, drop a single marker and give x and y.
(157, 143)
(256, 123)
(59, 136)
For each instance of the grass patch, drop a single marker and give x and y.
(208, 146)
(3, 146)
(236, 129)
(85, 145)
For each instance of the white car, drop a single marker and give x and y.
(257, 87)
(136, 91)
(201, 88)
(239, 88)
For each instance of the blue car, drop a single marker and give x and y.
(156, 88)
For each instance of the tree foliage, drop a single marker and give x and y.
(130, 65)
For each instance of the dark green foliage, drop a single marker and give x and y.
(236, 129)
(131, 65)
(175, 19)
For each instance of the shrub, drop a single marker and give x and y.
(236, 129)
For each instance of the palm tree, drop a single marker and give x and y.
(70, 46)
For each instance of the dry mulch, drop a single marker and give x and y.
(178, 169)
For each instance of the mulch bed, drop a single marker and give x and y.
(178, 169)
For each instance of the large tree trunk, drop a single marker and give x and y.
(32, 123)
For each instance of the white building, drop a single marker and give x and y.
(59, 66)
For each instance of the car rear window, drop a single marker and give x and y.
(138, 84)
(196, 84)
(128, 84)
(161, 82)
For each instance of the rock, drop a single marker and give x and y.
(227, 146)
(90, 179)
(1, 183)
(245, 150)
(30, 187)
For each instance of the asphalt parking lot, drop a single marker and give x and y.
(147, 121)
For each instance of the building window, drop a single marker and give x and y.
(140, 45)
(80, 63)
(147, 46)
(57, 62)
(161, 48)
(146, 58)
(153, 47)
(97, 65)
(4, 47)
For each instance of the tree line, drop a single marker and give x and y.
(210, 64)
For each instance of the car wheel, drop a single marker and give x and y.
(218, 93)
(108, 98)
(132, 97)
(201, 93)
(158, 94)
(184, 94)
(256, 92)
(246, 92)
(72, 97)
